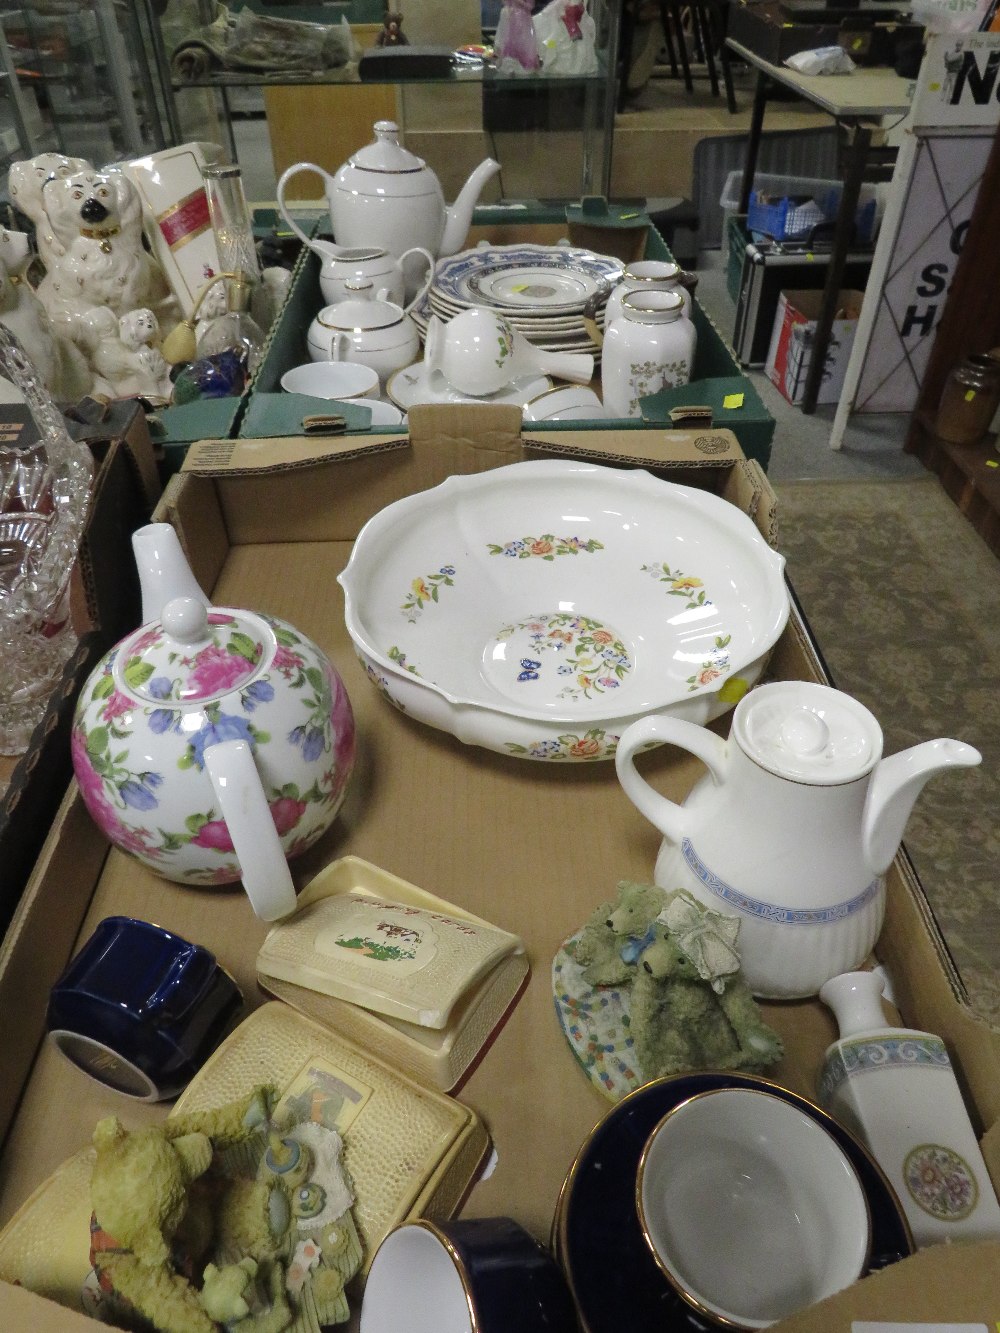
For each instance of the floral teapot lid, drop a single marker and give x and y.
(194, 655)
(808, 733)
(362, 309)
(387, 154)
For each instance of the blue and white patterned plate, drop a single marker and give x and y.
(527, 278)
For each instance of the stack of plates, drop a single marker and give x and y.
(540, 289)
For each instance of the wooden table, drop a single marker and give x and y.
(856, 101)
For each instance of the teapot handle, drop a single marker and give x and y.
(263, 865)
(320, 247)
(337, 341)
(419, 250)
(664, 814)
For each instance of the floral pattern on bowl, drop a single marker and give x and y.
(653, 597)
(139, 743)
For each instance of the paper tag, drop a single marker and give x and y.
(871, 1326)
(323, 1092)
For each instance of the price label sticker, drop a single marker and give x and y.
(732, 400)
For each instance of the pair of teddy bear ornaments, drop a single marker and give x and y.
(223, 1219)
(92, 324)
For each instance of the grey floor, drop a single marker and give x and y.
(872, 445)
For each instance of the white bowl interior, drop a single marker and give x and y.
(751, 1207)
(331, 379)
(558, 590)
(414, 1285)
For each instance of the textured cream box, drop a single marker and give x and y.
(526, 848)
(471, 993)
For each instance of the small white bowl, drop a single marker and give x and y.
(565, 402)
(332, 379)
(750, 1207)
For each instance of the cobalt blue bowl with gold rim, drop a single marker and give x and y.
(468, 1275)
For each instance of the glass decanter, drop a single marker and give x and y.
(45, 486)
(248, 299)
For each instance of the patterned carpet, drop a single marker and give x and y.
(904, 600)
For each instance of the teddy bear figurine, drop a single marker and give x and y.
(689, 1005)
(392, 30)
(615, 935)
(159, 1208)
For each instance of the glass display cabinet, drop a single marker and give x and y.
(551, 132)
(78, 80)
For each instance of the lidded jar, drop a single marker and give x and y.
(649, 346)
(969, 400)
(647, 275)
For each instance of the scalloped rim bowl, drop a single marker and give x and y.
(539, 608)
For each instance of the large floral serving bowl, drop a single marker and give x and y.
(537, 609)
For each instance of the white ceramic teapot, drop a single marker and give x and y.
(792, 828)
(212, 743)
(386, 196)
(366, 328)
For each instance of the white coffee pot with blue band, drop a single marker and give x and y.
(792, 828)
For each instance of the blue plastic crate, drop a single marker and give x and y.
(788, 218)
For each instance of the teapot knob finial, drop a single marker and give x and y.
(386, 129)
(185, 619)
(804, 732)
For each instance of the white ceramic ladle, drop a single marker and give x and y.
(479, 353)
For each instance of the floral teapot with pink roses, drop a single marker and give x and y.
(212, 744)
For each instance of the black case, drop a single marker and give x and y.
(770, 267)
(406, 62)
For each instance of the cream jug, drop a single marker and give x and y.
(792, 828)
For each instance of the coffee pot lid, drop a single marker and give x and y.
(386, 153)
(808, 733)
(193, 655)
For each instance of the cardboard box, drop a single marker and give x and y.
(530, 847)
(524, 223)
(790, 353)
(106, 604)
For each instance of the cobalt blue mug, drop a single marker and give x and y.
(469, 1275)
(140, 1009)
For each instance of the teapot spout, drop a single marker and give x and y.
(895, 786)
(458, 218)
(164, 572)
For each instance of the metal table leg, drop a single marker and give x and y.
(843, 232)
(753, 140)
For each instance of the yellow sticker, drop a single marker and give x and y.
(733, 400)
(521, 286)
(624, 217)
(969, 395)
(992, 462)
(733, 690)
